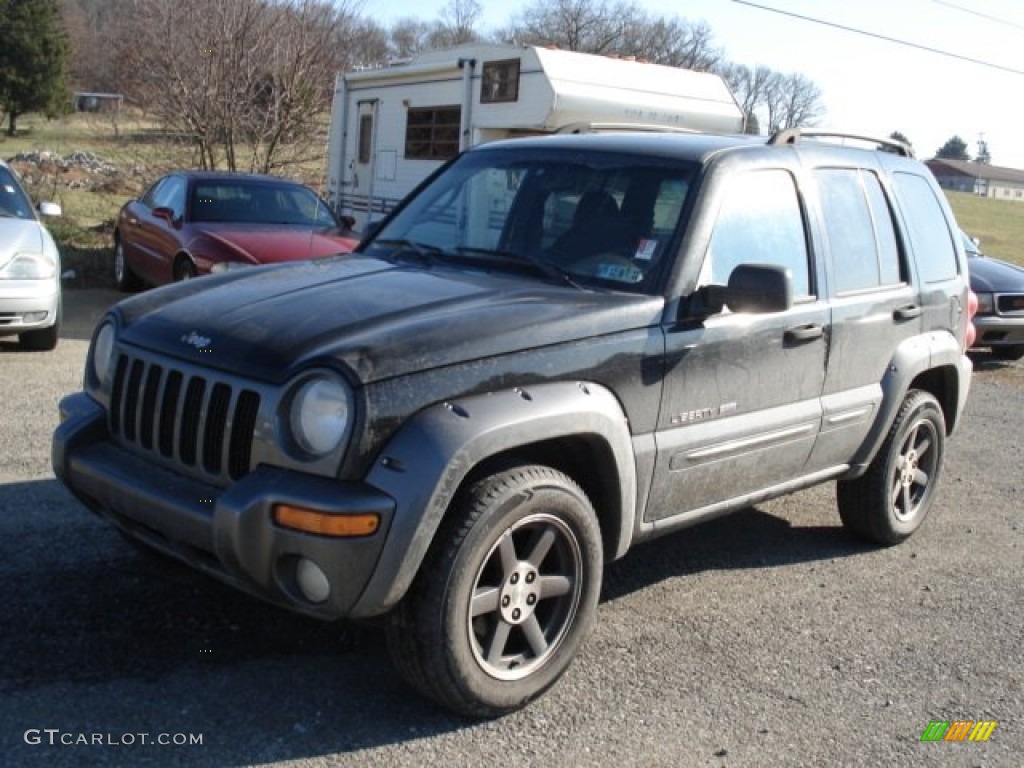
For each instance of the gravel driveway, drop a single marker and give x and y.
(767, 638)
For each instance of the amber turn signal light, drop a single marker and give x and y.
(323, 524)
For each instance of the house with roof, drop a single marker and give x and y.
(978, 178)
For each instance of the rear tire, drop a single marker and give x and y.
(1009, 354)
(505, 596)
(891, 500)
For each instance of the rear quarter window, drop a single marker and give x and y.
(930, 235)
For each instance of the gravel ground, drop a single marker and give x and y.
(767, 638)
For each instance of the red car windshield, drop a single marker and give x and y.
(245, 202)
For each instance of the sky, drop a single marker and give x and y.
(869, 86)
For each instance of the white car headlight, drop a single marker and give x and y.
(229, 266)
(319, 415)
(29, 266)
(986, 303)
(102, 351)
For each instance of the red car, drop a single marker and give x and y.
(195, 222)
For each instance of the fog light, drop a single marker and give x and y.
(34, 317)
(312, 581)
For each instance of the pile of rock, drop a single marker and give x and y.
(78, 170)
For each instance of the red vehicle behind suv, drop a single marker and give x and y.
(192, 223)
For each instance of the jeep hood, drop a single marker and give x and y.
(380, 319)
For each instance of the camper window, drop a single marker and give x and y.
(500, 81)
(365, 138)
(432, 133)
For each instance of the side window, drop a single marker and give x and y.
(932, 241)
(859, 228)
(149, 199)
(171, 194)
(761, 222)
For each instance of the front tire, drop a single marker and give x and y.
(124, 277)
(44, 339)
(891, 500)
(506, 595)
(184, 269)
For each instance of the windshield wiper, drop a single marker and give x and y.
(550, 271)
(426, 253)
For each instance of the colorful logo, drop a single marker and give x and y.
(959, 730)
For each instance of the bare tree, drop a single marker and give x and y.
(792, 101)
(614, 27)
(590, 26)
(673, 42)
(771, 99)
(409, 36)
(457, 24)
(369, 44)
(242, 76)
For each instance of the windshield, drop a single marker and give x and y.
(14, 203)
(263, 202)
(594, 218)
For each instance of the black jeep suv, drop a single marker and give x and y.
(556, 348)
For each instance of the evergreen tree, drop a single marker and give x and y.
(954, 149)
(33, 52)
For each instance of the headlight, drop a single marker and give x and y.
(102, 351)
(229, 266)
(319, 415)
(29, 266)
(986, 304)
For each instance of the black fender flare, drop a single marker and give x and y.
(425, 463)
(915, 357)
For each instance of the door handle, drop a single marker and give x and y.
(908, 312)
(802, 333)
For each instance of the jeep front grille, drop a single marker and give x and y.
(190, 420)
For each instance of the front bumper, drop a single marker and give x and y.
(999, 330)
(20, 299)
(227, 533)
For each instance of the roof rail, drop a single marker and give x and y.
(793, 136)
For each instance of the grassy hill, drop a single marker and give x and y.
(998, 224)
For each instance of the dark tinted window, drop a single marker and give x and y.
(365, 138)
(432, 133)
(500, 81)
(932, 241)
(760, 222)
(858, 223)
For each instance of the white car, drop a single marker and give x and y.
(30, 296)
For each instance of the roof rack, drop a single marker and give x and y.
(793, 136)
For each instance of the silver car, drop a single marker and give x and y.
(30, 296)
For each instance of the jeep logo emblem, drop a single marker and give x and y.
(197, 341)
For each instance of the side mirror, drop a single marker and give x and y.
(46, 208)
(165, 213)
(752, 288)
(759, 288)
